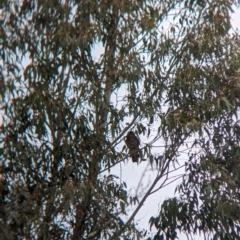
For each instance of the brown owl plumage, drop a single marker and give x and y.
(133, 143)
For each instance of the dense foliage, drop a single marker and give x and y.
(177, 67)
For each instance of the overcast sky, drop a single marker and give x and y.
(132, 174)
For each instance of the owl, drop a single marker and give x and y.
(133, 143)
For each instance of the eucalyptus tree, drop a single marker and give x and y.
(176, 64)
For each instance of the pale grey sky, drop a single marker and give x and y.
(132, 174)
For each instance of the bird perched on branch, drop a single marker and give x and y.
(133, 143)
